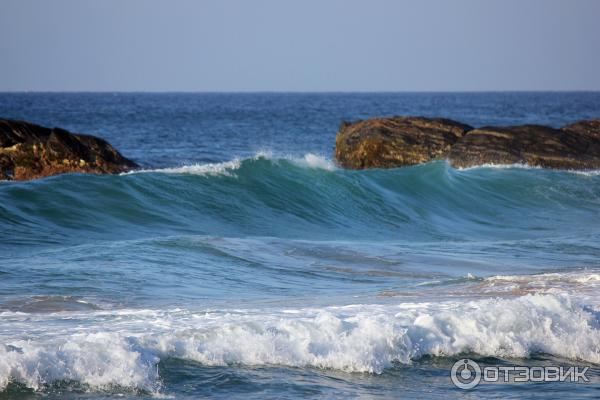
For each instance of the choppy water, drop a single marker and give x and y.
(241, 262)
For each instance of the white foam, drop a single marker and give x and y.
(223, 168)
(499, 166)
(311, 160)
(586, 172)
(567, 277)
(101, 360)
(228, 168)
(590, 172)
(308, 160)
(122, 347)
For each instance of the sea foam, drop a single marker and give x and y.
(223, 168)
(308, 160)
(123, 347)
(589, 172)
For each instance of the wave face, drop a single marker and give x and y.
(314, 225)
(306, 197)
(221, 270)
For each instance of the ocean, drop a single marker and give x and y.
(241, 262)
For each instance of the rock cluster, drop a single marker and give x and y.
(29, 151)
(400, 141)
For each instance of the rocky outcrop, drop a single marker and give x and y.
(29, 151)
(396, 141)
(388, 143)
(533, 145)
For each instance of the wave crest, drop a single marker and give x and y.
(357, 338)
(309, 160)
(305, 197)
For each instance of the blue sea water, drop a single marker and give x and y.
(241, 262)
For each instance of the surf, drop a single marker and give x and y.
(302, 197)
(123, 347)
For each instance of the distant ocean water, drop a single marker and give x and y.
(240, 262)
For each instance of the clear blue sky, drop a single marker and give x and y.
(302, 45)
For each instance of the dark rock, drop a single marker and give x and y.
(395, 142)
(29, 151)
(399, 141)
(576, 146)
(586, 135)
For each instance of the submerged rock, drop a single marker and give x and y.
(29, 151)
(398, 141)
(395, 142)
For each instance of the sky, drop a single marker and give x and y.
(302, 45)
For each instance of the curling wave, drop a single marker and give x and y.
(303, 197)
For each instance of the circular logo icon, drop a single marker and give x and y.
(465, 374)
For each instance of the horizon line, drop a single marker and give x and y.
(293, 91)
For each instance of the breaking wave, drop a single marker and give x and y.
(302, 197)
(123, 347)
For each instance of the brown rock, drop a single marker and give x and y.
(587, 136)
(29, 151)
(576, 146)
(397, 141)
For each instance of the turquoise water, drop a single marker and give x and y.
(241, 262)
